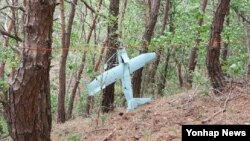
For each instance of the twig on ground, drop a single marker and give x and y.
(108, 136)
(99, 129)
(222, 110)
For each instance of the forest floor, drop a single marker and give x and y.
(160, 120)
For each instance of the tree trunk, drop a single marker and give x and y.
(2, 67)
(125, 3)
(247, 32)
(148, 33)
(62, 73)
(113, 44)
(192, 64)
(193, 55)
(90, 99)
(28, 111)
(213, 54)
(163, 77)
(179, 72)
(66, 34)
(80, 71)
(73, 93)
(12, 74)
(99, 60)
(226, 43)
(149, 82)
(225, 52)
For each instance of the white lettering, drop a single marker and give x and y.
(237, 133)
(226, 132)
(202, 133)
(189, 131)
(216, 134)
(243, 133)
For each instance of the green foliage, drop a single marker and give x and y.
(237, 68)
(103, 118)
(3, 127)
(8, 56)
(201, 81)
(74, 137)
(134, 24)
(53, 100)
(91, 73)
(4, 86)
(80, 105)
(119, 97)
(147, 135)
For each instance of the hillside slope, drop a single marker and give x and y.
(160, 120)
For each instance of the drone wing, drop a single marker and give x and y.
(140, 61)
(105, 79)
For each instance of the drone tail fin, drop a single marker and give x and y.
(135, 102)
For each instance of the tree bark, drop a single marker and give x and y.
(213, 54)
(12, 74)
(90, 99)
(2, 68)
(194, 56)
(179, 68)
(247, 32)
(61, 114)
(165, 16)
(149, 82)
(80, 71)
(163, 76)
(62, 73)
(146, 38)
(76, 84)
(225, 44)
(28, 111)
(125, 3)
(99, 60)
(113, 44)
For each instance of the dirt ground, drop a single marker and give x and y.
(160, 120)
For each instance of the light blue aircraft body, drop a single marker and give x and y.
(122, 71)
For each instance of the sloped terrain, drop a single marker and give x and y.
(160, 120)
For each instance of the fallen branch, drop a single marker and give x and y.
(99, 129)
(108, 136)
(222, 110)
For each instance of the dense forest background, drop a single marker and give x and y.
(200, 44)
